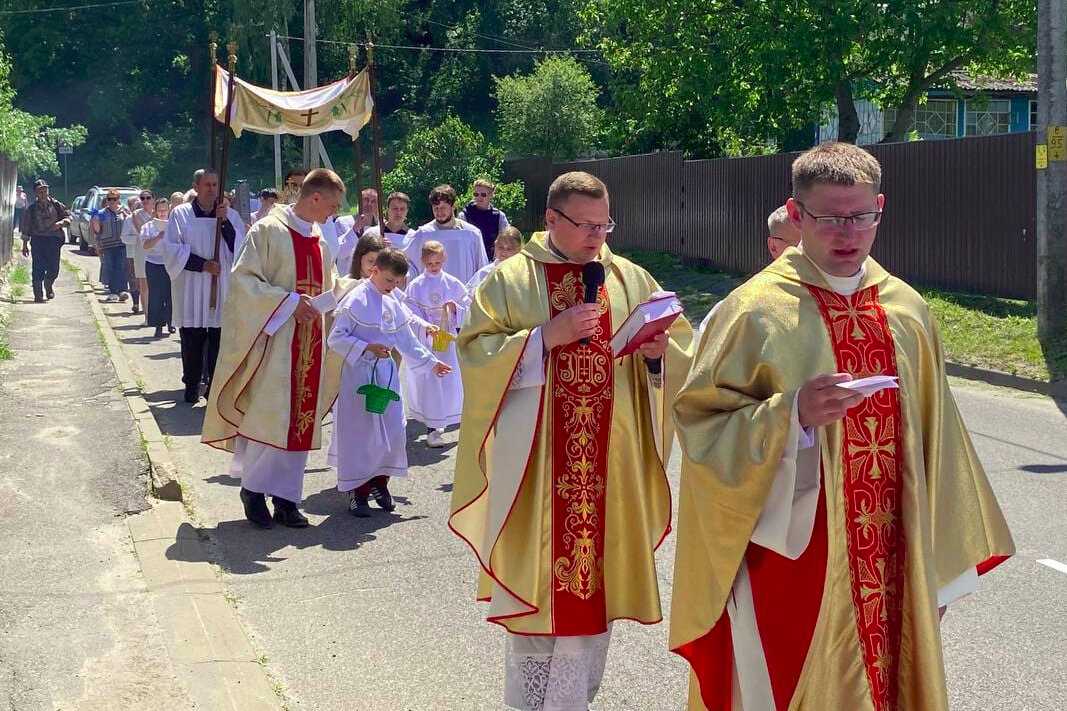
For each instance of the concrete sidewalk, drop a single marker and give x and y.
(77, 630)
(108, 601)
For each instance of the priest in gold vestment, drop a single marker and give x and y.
(822, 531)
(560, 488)
(277, 377)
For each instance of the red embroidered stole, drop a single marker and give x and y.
(582, 379)
(873, 486)
(306, 348)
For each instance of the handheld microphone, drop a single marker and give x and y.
(593, 278)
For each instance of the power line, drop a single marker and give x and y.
(473, 50)
(72, 8)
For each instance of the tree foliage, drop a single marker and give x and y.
(550, 112)
(452, 153)
(27, 139)
(700, 76)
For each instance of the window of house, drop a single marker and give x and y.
(933, 120)
(988, 118)
(1033, 115)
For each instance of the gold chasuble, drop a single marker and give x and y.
(273, 389)
(904, 507)
(560, 488)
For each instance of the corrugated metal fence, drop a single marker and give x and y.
(960, 214)
(8, 176)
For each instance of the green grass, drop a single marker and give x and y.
(5, 350)
(20, 274)
(997, 334)
(979, 331)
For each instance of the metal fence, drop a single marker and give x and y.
(960, 214)
(8, 178)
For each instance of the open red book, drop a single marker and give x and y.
(645, 322)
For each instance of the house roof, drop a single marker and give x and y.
(967, 82)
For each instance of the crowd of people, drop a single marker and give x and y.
(831, 505)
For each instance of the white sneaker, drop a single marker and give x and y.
(433, 439)
(111, 298)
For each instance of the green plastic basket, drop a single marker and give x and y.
(376, 399)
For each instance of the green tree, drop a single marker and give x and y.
(694, 76)
(27, 139)
(550, 112)
(451, 153)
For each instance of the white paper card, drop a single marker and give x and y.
(326, 301)
(869, 386)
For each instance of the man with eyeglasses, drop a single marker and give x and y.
(481, 213)
(462, 240)
(560, 487)
(42, 228)
(825, 524)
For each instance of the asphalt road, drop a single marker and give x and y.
(379, 613)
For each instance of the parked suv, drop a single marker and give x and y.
(94, 202)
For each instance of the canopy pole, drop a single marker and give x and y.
(213, 51)
(220, 214)
(377, 141)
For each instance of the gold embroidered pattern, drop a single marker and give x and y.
(309, 338)
(581, 572)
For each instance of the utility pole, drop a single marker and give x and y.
(1052, 169)
(274, 85)
(311, 76)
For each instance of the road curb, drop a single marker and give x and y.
(1056, 390)
(162, 472)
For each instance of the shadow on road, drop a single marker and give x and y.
(1044, 468)
(246, 550)
(174, 416)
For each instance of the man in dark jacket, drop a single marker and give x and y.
(42, 229)
(481, 213)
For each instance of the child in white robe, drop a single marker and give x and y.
(507, 244)
(437, 297)
(368, 324)
(363, 258)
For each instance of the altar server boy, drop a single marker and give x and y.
(368, 325)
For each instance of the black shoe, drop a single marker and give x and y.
(286, 513)
(358, 507)
(159, 332)
(256, 510)
(50, 294)
(170, 330)
(382, 497)
(192, 395)
(38, 299)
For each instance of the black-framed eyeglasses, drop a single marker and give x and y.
(481, 194)
(587, 226)
(112, 199)
(146, 196)
(860, 221)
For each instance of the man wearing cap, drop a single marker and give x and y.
(42, 229)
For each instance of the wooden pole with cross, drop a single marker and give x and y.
(213, 48)
(220, 213)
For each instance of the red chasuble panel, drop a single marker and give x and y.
(307, 348)
(582, 378)
(873, 485)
